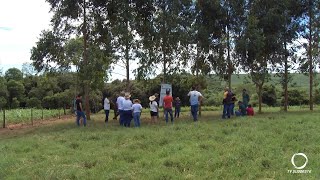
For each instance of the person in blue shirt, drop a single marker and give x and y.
(136, 110)
(127, 110)
(195, 97)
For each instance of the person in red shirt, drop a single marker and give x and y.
(167, 105)
(250, 111)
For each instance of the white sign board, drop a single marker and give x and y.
(164, 88)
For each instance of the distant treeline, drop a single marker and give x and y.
(57, 90)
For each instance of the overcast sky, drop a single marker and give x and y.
(21, 22)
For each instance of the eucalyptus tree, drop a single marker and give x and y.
(79, 19)
(310, 30)
(120, 18)
(234, 15)
(161, 31)
(216, 26)
(288, 12)
(250, 48)
(270, 27)
(208, 29)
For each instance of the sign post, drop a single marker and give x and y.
(164, 88)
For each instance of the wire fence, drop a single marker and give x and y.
(28, 116)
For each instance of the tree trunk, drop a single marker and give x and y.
(310, 56)
(85, 60)
(260, 97)
(127, 55)
(286, 80)
(164, 65)
(197, 76)
(164, 50)
(127, 64)
(64, 109)
(228, 59)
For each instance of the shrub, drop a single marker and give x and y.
(15, 103)
(34, 103)
(269, 96)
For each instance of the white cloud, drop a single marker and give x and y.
(22, 23)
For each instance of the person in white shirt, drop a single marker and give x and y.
(154, 109)
(119, 103)
(136, 110)
(195, 97)
(127, 110)
(106, 106)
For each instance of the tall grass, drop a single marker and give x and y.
(14, 116)
(257, 147)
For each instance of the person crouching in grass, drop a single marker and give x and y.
(242, 109)
(250, 111)
(136, 110)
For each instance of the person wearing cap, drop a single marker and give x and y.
(127, 110)
(154, 109)
(136, 110)
(195, 97)
(177, 107)
(119, 103)
(167, 105)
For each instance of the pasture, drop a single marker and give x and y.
(259, 147)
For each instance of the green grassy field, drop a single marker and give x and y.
(258, 147)
(299, 80)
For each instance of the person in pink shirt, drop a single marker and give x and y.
(167, 105)
(250, 111)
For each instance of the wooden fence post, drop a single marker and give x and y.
(31, 116)
(42, 114)
(4, 118)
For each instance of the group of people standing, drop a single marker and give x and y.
(128, 110)
(229, 100)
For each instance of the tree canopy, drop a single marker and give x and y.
(221, 37)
